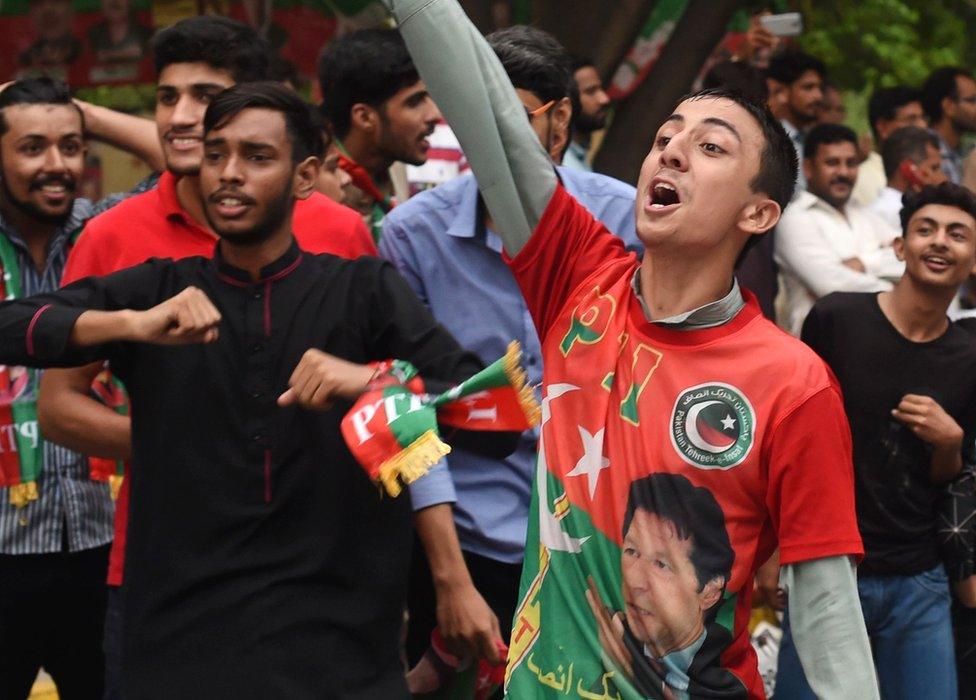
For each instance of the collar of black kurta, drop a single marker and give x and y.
(282, 267)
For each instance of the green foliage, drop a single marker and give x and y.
(879, 43)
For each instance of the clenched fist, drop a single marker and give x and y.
(320, 378)
(187, 318)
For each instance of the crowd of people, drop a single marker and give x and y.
(757, 373)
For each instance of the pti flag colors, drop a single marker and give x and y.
(392, 428)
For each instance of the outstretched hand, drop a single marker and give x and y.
(320, 378)
(187, 318)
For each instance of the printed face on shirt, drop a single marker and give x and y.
(183, 93)
(594, 101)
(404, 122)
(666, 605)
(42, 156)
(939, 246)
(248, 178)
(832, 171)
(695, 184)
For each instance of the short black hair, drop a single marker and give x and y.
(777, 163)
(577, 61)
(947, 193)
(941, 84)
(741, 76)
(695, 515)
(368, 66)
(885, 103)
(534, 61)
(301, 120)
(826, 134)
(907, 142)
(36, 91)
(220, 42)
(789, 66)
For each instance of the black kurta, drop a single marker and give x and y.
(261, 561)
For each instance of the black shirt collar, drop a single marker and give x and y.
(272, 272)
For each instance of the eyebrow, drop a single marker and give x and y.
(44, 137)
(197, 87)
(952, 224)
(714, 121)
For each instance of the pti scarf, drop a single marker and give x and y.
(21, 444)
(111, 392)
(392, 429)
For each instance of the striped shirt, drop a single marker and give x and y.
(67, 497)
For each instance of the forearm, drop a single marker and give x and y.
(946, 464)
(70, 416)
(130, 133)
(471, 88)
(828, 628)
(95, 328)
(438, 536)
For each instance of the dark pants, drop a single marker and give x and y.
(497, 582)
(52, 607)
(112, 645)
(964, 626)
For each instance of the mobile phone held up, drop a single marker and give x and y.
(786, 24)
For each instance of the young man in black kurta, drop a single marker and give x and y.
(262, 562)
(909, 382)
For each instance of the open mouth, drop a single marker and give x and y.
(663, 195)
(184, 143)
(639, 611)
(230, 206)
(936, 263)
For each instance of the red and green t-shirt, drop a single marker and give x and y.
(671, 465)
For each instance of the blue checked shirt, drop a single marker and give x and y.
(67, 497)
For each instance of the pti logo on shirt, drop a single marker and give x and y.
(712, 426)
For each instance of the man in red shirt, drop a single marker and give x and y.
(195, 59)
(660, 366)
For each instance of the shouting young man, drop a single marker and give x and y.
(662, 365)
(261, 560)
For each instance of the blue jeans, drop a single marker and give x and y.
(909, 623)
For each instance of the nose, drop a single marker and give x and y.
(433, 114)
(674, 154)
(231, 172)
(344, 177)
(54, 160)
(602, 98)
(186, 113)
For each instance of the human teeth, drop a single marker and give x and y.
(230, 202)
(53, 188)
(185, 141)
(665, 186)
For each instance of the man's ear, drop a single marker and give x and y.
(306, 177)
(759, 216)
(712, 592)
(562, 114)
(898, 245)
(363, 117)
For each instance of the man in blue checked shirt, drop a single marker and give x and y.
(442, 242)
(54, 548)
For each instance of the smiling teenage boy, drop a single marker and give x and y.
(662, 365)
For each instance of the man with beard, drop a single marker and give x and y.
(590, 107)
(796, 83)
(262, 562)
(949, 100)
(908, 377)
(825, 242)
(379, 111)
(195, 59)
(53, 541)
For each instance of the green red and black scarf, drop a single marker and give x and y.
(392, 428)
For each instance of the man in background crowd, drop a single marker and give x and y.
(889, 109)
(379, 111)
(591, 105)
(949, 99)
(911, 161)
(796, 96)
(824, 242)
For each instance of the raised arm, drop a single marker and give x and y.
(135, 135)
(472, 90)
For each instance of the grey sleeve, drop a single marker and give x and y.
(472, 90)
(828, 628)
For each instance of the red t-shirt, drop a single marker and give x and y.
(672, 464)
(153, 225)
